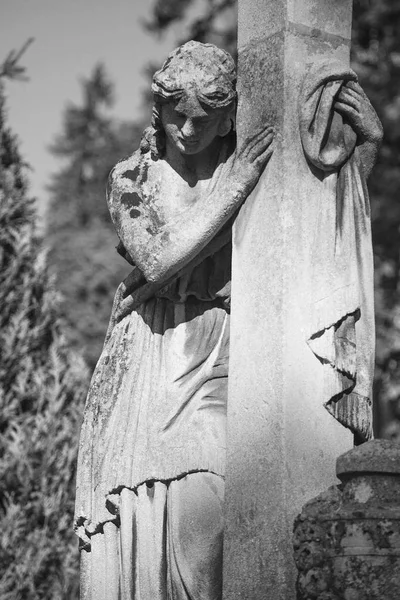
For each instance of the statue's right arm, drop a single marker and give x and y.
(162, 249)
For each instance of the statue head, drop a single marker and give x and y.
(194, 99)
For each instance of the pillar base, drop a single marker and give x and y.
(347, 539)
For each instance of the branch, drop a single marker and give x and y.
(10, 67)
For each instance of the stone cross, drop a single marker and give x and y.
(282, 440)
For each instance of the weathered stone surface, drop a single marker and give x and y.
(378, 456)
(282, 441)
(347, 540)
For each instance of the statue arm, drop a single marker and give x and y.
(353, 103)
(162, 249)
(369, 154)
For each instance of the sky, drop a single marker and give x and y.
(71, 36)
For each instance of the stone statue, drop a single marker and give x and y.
(152, 453)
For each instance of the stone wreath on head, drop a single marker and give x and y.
(204, 69)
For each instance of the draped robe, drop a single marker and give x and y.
(342, 331)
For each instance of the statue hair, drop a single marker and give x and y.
(210, 63)
(153, 137)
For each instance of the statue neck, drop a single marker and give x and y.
(201, 165)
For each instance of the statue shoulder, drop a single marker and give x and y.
(128, 177)
(126, 170)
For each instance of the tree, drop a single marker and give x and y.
(215, 21)
(376, 59)
(42, 388)
(80, 232)
(86, 137)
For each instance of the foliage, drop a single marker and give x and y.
(42, 387)
(215, 21)
(10, 68)
(80, 232)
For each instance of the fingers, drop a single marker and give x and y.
(258, 144)
(345, 108)
(251, 159)
(261, 141)
(351, 93)
(255, 155)
(349, 97)
(356, 97)
(259, 134)
(353, 103)
(252, 141)
(266, 155)
(352, 114)
(356, 88)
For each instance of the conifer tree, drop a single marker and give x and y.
(42, 387)
(80, 231)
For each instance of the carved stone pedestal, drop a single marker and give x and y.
(347, 540)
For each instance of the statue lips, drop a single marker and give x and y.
(189, 141)
(189, 144)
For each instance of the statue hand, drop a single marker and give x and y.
(252, 156)
(353, 103)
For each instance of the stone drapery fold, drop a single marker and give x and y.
(342, 334)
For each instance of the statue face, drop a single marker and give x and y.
(191, 127)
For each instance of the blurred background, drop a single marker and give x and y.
(78, 104)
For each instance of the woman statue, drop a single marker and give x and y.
(152, 453)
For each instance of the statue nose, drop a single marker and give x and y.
(188, 129)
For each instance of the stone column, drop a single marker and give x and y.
(282, 442)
